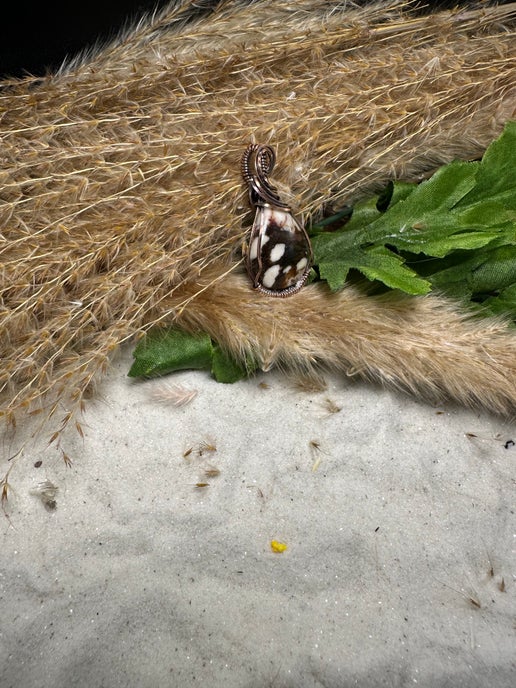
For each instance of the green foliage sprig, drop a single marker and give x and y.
(455, 232)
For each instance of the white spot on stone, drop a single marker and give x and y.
(302, 264)
(269, 276)
(280, 217)
(253, 253)
(277, 252)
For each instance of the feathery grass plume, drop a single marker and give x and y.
(172, 395)
(122, 205)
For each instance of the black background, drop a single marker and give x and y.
(36, 37)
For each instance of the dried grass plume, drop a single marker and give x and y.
(122, 205)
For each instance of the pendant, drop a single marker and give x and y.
(279, 253)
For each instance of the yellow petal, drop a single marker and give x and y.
(278, 546)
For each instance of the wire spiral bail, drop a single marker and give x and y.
(257, 163)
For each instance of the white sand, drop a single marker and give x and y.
(139, 578)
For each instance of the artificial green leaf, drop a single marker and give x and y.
(381, 264)
(337, 220)
(334, 272)
(487, 214)
(164, 351)
(226, 369)
(496, 178)
(425, 214)
(397, 191)
(377, 263)
(452, 227)
(483, 272)
(445, 245)
(366, 211)
(504, 303)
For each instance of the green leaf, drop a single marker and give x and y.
(504, 303)
(457, 229)
(339, 219)
(226, 369)
(441, 247)
(496, 178)
(377, 263)
(481, 273)
(335, 273)
(387, 267)
(394, 192)
(424, 217)
(165, 351)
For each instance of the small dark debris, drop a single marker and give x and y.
(509, 443)
(38, 464)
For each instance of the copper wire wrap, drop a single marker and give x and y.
(257, 163)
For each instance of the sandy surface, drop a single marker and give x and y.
(400, 532)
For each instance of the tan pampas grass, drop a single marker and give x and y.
(172, 395)
(122, 204)
(425, 345)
